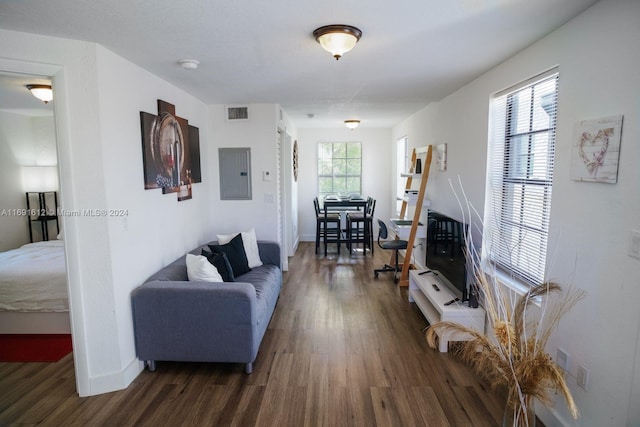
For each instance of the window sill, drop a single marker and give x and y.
(506, 280)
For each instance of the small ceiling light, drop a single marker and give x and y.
(352, 124)
(337, 39)
(42, 92)
(189, 64)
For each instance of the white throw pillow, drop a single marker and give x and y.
(200, 269)
(250, 243)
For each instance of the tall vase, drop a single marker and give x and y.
(418, 165)
(519, 414)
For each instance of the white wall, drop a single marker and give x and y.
(157, 229)
(289, 185)
(14, 131)
(598, 60)
(98, 100)
(466, 153)
(24, 142)
(260, 134)
(377, 166)
(99, 96)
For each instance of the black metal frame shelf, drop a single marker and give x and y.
(43, 213)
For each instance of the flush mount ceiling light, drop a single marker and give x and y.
(42, 92)
(337, 39)
(352, 124)
(189, 64)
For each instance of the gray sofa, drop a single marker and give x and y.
(178, 320)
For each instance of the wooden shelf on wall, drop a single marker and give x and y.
(43, 211)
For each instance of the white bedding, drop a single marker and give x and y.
(33, 278)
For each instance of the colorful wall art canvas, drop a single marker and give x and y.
(596, 150)
(170, 151)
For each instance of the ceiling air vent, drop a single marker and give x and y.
(237, 113)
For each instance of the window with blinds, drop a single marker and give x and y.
(520, 177)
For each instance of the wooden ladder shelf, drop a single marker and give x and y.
(404, 277)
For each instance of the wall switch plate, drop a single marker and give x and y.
(634, 244)
(562, 360)
(583, 377)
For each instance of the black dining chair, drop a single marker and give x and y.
(390, 245)
(360, 226)
(328, 226)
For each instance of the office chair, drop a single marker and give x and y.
(390, 245)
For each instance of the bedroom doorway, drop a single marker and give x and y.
(29, 164)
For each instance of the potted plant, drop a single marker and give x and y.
(512, 354)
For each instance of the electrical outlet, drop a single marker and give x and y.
(583, 377)
(562, 360)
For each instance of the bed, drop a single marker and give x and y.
(33, 289)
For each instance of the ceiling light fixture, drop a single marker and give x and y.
(42, 92)
(189, 64)
(352, 124)
(337, 39)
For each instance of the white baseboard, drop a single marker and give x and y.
(550, 417)
(116, 380)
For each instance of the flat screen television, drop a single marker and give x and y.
(445, 252)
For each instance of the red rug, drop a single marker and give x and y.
(34, 347)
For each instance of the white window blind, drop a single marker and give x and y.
(521, 153)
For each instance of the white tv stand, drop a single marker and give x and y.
(432, 305)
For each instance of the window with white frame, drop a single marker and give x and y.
(520, 176)
(339, 168)
(402, 166)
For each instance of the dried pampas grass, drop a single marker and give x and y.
(513, 354)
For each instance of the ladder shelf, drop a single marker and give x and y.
(419, 203)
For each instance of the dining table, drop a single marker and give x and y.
(344, 203)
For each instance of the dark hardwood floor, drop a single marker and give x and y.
(342, 349)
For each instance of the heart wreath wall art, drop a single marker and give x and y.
(596, 150)
(592, 149)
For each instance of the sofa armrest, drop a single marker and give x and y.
(181, 321)
(269, 252)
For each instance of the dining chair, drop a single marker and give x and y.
(391, 245)
(327, 227)
(360, 226)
